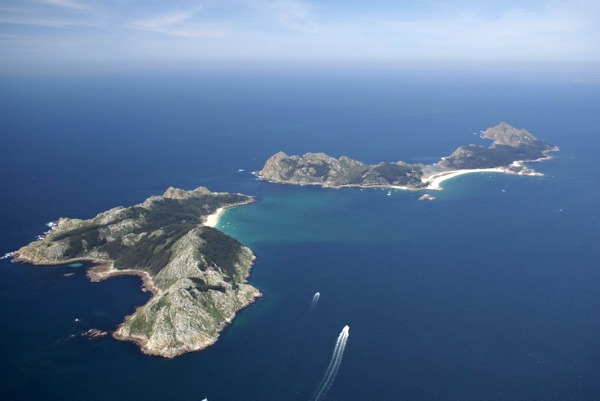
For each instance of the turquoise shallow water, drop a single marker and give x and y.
(489, 292)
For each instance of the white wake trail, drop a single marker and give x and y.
(334, 365)
(314, 301)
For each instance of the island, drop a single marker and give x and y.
(511, 148)
(197, 275)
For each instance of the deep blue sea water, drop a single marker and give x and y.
(491, 292)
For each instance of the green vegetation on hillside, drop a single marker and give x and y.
(155, 229)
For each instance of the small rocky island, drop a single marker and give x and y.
(511, 147)
(196, 273)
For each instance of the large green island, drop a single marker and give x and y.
(196, 273)
(510, 149)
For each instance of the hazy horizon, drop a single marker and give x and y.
(76, 36)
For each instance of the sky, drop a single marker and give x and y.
(71, 34)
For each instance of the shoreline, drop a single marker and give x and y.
(327, 186)
(432, 181)
(103, 269)
(141, 343)
(212, 220)
(435, 180)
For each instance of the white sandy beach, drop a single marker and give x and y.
(213, 219)
(436, 179)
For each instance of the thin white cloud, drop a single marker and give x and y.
(292, 11)
(293, 14)
(63, 13)
(165, 20)
(42, 22)
(72, 4)
(513, 34)
(557, 31)
(176, 23)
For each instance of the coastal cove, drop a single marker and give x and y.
(489, 292)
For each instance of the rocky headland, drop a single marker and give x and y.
(196, 274)
(511, 148)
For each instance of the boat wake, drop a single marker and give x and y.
(314, 301)
(334, 365)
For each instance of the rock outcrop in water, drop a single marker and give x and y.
(510, 147)
(197, 274)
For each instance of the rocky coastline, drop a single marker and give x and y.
(196, 274)
(510, 150)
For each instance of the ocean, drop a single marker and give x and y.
(490, 292)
